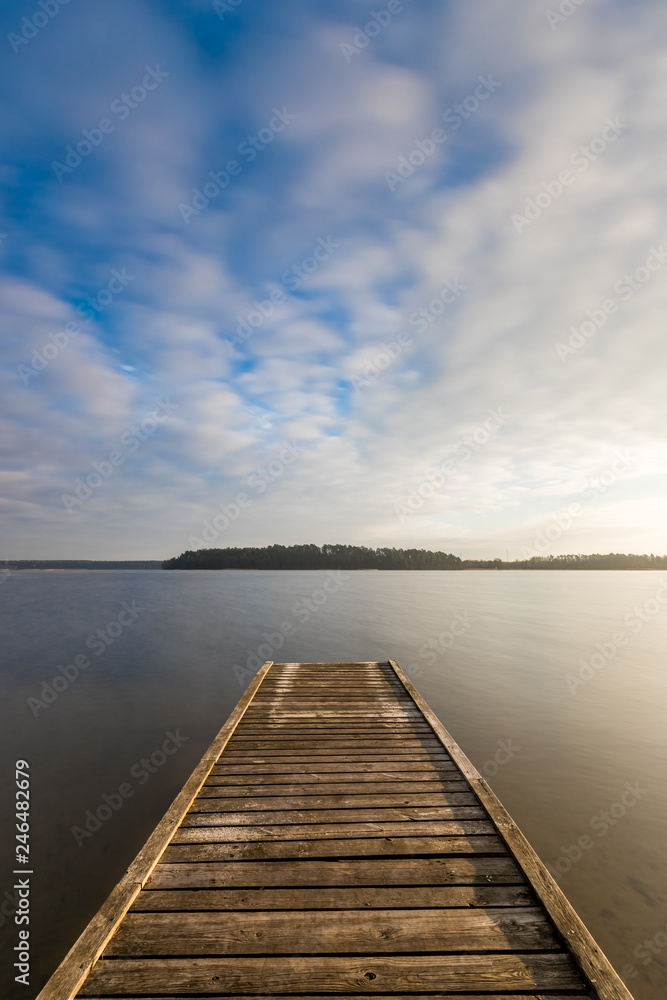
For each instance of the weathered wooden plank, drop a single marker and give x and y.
(360, 706)
(297, 771)
(297, 693)
(421, 758)
(293, 708)
(592, 959)
(289, 817)
(352, 738)
(376, 779)
(285, 691)
(348, 698)
(340, 682)
(346, 744)
(333, 756)
(362, 767)
(320, 727)
(322, 716)
(337, 725)
(373, 669)
(298, 697)
(349, 707)
(202, 834)
(207, 801)
(299, 755)
(374, 674)
(332, 713)
(295, 760)
(431, 996)
(314, 718)
(344, 734)
(337, 733)
(343, 931)
(339, 693)
(288, 689)
(323, 785)
(208, 832)
(299, 733)
(355, 872)
(334, 733)
(341, 678)
(415, 722)
(358, 668)
(297, 670)
(74, 967)
(152, 900)
(329, 974)
(408, 757)
(327, 747)
(282, 747)
(334, 848)
(357, 665)
(369, 695)
(339, 685)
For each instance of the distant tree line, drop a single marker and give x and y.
(341, 557)
(612, 560)
(82, 564)
(360, 557)
(313, 557)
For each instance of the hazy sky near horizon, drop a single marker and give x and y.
(385, 274)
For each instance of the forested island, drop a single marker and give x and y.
(361, 557)
(313, 557)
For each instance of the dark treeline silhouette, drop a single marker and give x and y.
(612, 560)
(313, 557)
(341, 557)
(360, 557)
(81, 564)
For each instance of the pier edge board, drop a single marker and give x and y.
(589, 956)
(69, 976)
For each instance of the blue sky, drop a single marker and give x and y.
(303, 272)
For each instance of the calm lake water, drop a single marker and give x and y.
(587, 758)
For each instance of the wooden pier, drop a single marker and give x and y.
(335, 840)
